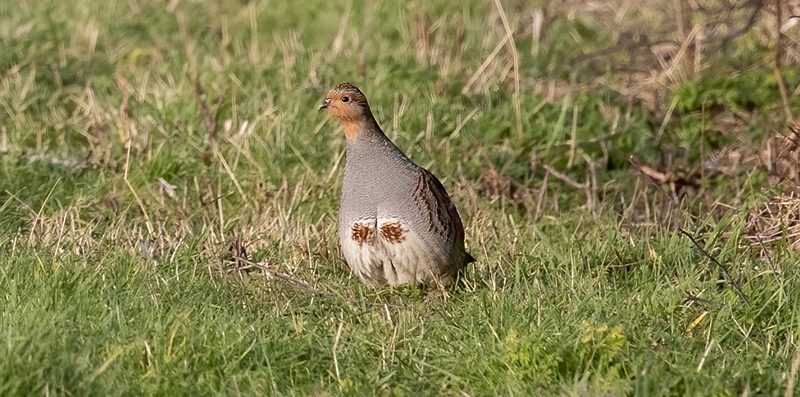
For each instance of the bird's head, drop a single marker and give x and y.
(347, 103)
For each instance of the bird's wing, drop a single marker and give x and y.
(442, 215)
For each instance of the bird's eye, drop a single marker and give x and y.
(345, 99)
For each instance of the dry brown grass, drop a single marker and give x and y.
(779, 218)
(776, 221)
(652, 53)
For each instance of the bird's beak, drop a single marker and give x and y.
(325, 104)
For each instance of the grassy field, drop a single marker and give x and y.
(168, 199)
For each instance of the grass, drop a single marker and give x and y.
(145, 144)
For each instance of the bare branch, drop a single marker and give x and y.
(724, 271)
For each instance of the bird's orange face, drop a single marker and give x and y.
(346, 103)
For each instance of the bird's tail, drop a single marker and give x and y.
(469, 259)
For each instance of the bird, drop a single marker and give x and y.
(396, 224)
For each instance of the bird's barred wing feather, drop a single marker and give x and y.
(443, 218)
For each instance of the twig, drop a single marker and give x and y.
(769, 259)
(755, 5)
(725, 273)
(335, 345)
(211, 120)
(214, 200)
(542, 193)
(683, 18)
(564, 178)
(692, 298)
(611, 50)
(671, 179)
(778, 56)
(299, 285)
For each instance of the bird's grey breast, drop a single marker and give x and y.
(377, 177)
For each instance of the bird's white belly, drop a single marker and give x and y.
(386, 251)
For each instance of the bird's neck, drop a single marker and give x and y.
(362, 128)
(368, 143)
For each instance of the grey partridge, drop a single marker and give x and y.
(397, 224)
